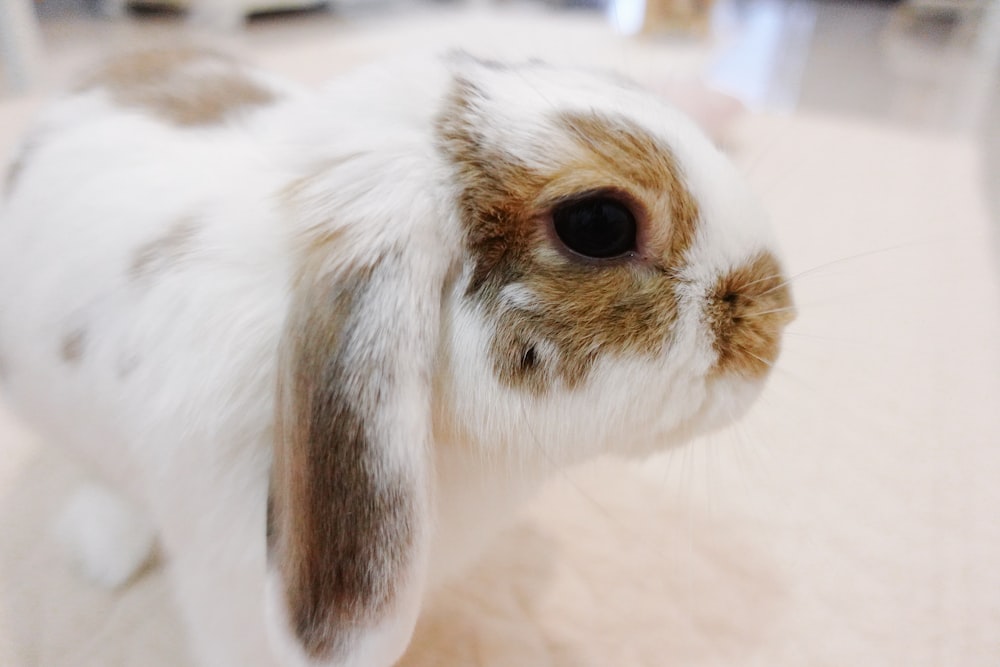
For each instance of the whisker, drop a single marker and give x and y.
(834, 339)
(783, 309)
(833, 262)
(756, 462)
(801, 334)
(614, 523)
(562, 472)
(740, 450)
(761, 280)
(855, 415)
(824, 265)
(709, 458)
(783, 372)
(769, 364)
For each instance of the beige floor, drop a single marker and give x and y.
(851, 519)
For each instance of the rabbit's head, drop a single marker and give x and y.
(565, 267)
(620, 287)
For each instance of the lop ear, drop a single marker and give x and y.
(348, 523)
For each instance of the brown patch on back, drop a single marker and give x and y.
(747, 309)
(584, 309)
(189, 87)
(71, 349)
(340, 525)
(165, 252)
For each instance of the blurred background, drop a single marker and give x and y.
(927, 62)
(851, 519)
(924, 60)
(919, 64)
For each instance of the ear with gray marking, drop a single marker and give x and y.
(348, 521)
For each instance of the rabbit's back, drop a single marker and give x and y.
(143, 281)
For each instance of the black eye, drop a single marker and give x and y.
(598, 227)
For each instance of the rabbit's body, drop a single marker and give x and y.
(168, 413)
(162, 262)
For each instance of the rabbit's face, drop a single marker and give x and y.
(622, 290)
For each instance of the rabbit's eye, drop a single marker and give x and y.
(599, 227)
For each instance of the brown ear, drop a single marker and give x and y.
(347, 512)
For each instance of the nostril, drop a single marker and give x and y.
(734, 307)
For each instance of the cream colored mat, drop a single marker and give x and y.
(852, 519)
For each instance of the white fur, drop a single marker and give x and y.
(109, 539)
(173, 394)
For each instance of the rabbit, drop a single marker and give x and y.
(317, 345)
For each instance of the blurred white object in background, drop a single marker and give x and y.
(764, 47)
(673, 18)
(19, 43)
(989, 38)
(213, 14)
(626, 15)
(967, 36)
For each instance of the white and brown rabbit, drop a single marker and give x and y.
(321, 343)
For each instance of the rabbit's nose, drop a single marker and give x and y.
(746, 310)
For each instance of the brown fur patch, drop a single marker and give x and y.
(184, 86)
(629, 158)
(340, 525)
(71, 349)
(582, 314)
(583, 309)
(747, 310)
(165, 252)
